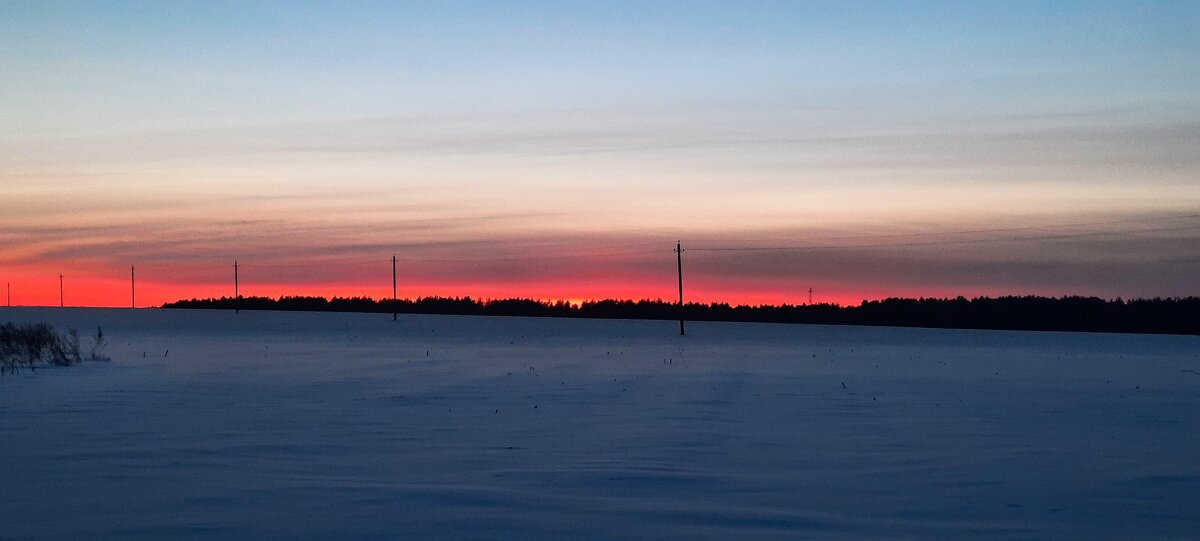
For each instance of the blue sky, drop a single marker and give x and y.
(164, 62)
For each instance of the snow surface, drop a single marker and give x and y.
(268, 425)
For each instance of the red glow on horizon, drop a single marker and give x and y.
(29, 290)
(357, 262)
(39, 290)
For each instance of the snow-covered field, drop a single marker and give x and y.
(266, 425)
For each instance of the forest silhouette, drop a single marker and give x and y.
(1030, 313)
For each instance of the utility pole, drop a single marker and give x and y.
(679, 265)
(393, 287)
(8, 286)
(236, 295)
(60, 292)
(132, 289)
(810, 296)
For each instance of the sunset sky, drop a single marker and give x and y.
(558, 150)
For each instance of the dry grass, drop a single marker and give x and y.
(34, 344)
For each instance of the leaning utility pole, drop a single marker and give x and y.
(393, 287)
(679, 266)
(236, 295)
(60, 292)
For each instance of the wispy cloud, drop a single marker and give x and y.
(1128, 255)
(742, 138)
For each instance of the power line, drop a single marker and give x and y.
(937, 242)
(534, 258)
(576, 254)
(1014, 229)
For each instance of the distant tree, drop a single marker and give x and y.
(1071, 313)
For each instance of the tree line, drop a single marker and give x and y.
(1070, 313)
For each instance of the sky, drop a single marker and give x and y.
(559, 150)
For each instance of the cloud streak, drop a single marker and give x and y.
(1139, 255)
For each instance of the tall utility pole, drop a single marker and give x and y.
(679, 265)
(810, 295)
(393, 287)
(8, 286)
(60, 292)
(132, 289)
(236, 295)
